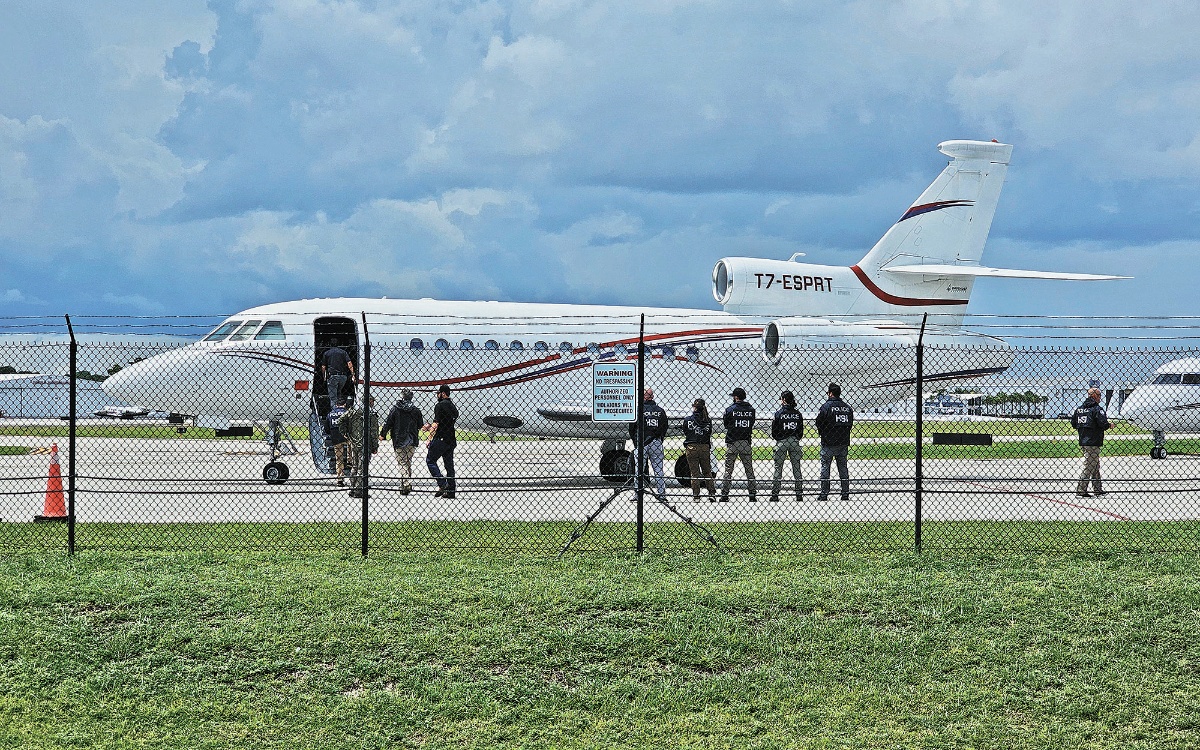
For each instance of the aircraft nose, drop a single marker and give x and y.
(125, 385)
(151, 382)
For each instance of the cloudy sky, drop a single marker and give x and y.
(195, 157)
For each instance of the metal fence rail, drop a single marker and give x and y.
(997, 465)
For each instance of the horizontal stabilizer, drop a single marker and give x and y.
(948, 269)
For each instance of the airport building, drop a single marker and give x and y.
(36, 396)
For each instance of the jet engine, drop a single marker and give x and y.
(759, 286)
(808, 346)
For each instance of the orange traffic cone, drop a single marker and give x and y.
(55, 508)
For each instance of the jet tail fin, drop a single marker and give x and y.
(950, 222)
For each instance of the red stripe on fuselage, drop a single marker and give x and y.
(892, 299)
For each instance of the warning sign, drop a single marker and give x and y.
(614, 392)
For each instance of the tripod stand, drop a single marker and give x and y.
(702, 532)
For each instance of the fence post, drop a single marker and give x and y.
(637, 449)
(920, 430)
(71, 432)
(366, 439)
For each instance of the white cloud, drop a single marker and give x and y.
(229, 152)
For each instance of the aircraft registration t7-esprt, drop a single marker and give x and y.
(526, 368)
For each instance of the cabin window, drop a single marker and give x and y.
(593, 349)
(491, 345)
(692, 353)
(620, 350)
(516, 346)
(416, 345)
(668, 352)
(466, 345)
(223, 330)
(244, 332)
(1168, 379)
(541, 346)
(1191, 378)
(272, 330)
(441, 344)
(565, 347)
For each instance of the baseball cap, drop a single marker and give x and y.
(738, 393)
(444, 389)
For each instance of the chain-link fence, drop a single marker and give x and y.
(240, 442)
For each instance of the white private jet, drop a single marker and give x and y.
(1168, 402)
(524, 368)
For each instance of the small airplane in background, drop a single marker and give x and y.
(1168, 402)
(122, 412)
(524, 368)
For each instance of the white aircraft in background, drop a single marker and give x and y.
(1167, 402)
(525, 368)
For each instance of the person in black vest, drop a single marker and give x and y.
(442, 442)
(337, 368)
(343, 452)
(834, 422)
(404, 424)
(1091, 422)
(787, 428)
(739, 425)
(654, 429)
(697, 445)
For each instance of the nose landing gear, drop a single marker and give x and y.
(277, 472)
(1160, 445)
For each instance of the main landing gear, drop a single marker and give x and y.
(616, 463)
(280, 443)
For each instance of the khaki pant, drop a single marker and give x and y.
(785, 449)
(733, 451)
(1091, 469)
(404, 456)
(343, 454)
(699, 458)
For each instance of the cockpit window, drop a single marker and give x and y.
(245, 331)
(1167, 379)
(272, 330)
(223, 330)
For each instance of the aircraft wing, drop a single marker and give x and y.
(947, 269)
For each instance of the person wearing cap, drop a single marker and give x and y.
(404, 423)
(442, 442)
(787, 428)
(834, 422)
(654, 429)
(1091, 422)
(739, 424)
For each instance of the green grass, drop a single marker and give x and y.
(1066, 447)
(14, 450)
(548, 538)
(598, 651)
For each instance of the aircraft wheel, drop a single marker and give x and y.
(276, 472)
(615, 465)
(683, 472)
(1158, 452)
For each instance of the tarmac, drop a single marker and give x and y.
(143, 480)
